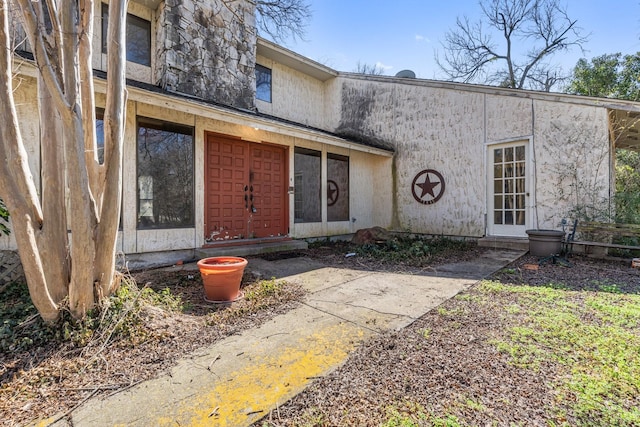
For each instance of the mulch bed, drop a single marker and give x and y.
(51, 380)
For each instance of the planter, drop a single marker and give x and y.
(545, 242)
(221, 277)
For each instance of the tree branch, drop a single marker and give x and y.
(469, 53)
(43, 59)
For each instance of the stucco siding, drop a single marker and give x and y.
(572, 154)
(429, 128)
(443, 132)
(507, 118)
(294, 95)
(371, 184)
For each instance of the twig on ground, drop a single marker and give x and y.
(69, 411)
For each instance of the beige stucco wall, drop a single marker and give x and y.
(25, 97)
(430, 129)
(294, 96)
(450, 129)
(572, 154)
(369, 174)
(507, 118)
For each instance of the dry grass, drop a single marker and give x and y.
(498, 354)
(148, 328)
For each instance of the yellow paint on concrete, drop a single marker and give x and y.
(267, 380)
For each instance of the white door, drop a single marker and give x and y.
(508, 189)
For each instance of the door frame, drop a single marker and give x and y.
(530, 185)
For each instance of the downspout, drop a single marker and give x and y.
(534, 164)
(395, 221)
(485, 165)
(612, 163)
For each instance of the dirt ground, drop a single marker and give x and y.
(455, 362)
(52, 380)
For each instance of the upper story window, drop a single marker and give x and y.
(263, 83)
(138, 37)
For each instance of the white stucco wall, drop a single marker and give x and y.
(430, 129)
(507, 118)
(294, 95)
(450, 129)
(25, 97)
(572, 153)
(440, 130)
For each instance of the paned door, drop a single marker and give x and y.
(245, 190)
(508, 189)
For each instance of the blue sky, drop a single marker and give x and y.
(405, 34)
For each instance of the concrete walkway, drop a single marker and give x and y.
(240, 379)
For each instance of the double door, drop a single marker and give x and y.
(245, 190)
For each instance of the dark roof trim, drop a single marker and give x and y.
(365, 142)
(242, 111)
(611, 103)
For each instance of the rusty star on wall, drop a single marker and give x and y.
(427, 186)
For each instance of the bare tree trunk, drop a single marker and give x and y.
(85, 49)
(114, 120)
(53, 244)
(16, 183)
(82, 213)
(77, 192)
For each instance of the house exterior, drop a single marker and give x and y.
(231, 138)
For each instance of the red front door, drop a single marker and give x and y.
(245, 189)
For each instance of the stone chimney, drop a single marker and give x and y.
(207, 49)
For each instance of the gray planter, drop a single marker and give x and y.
(545, 242)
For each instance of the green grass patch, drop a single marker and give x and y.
(594, 336)
(414, 415)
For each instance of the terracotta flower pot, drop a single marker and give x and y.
(221, 277)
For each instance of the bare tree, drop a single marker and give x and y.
(280, 19)
(543, 28)
(80, 268)
(373, 70)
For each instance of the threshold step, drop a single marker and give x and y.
(500, 242)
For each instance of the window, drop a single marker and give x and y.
(100, 134)
(138, 37)
(509, 186)
(307, 185)
(337, 188)
(165, 175)
(263, 83)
